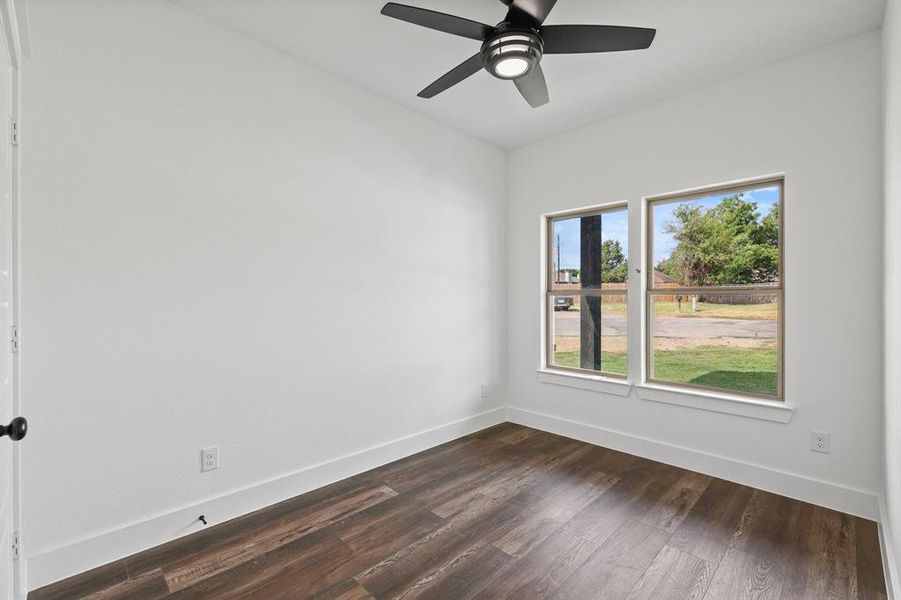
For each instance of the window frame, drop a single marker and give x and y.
(550, 292)
(650, 291)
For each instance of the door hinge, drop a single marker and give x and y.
(14, 339)
(15, 545)
(14, 133)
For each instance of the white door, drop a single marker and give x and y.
(8, 457)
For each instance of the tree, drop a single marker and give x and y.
(614, 265)
(670, 267)
(768, 232)
(726, 244)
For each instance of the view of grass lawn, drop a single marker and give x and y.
(611, 362)
(736, 369)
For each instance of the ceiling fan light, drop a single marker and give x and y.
(511, 67)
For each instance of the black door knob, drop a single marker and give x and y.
(16, 429)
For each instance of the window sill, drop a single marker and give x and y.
(766, 410)
(594, 383)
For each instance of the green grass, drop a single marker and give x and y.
(611, 362)
(735, 369)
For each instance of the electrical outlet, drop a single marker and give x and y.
(209, 458)
(484, 391)
(820, 441)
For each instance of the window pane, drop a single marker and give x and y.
(726, 341)
(589, 332)
(724, 239)
(613, 334)
(590, 252)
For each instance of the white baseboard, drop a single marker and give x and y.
(823, 493)
(65, 561)
(889, 558)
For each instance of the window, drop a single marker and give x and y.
(586, 298)
(714, 281)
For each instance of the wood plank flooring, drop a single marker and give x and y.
(511, 512)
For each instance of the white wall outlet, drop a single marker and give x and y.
(820, 441)
(484, 391)
(209, 458)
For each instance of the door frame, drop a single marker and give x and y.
(14, 33)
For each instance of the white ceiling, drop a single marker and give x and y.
(698, 42)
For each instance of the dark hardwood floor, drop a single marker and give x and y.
(512, 512)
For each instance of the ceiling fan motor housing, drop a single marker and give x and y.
(512, 52)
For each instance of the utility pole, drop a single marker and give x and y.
(557, 274)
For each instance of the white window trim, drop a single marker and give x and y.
(595, 383)
(544, 365)
(646, 244)
(777, 411)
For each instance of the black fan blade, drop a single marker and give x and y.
(576, 39)
(533, 87)
(439, 21)
(453, 77)
(530, 13)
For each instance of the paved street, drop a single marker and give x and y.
(675, 331)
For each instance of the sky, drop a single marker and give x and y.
(614, 225)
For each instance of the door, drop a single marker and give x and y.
(10, 430)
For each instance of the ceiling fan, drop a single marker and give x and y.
(513, 48)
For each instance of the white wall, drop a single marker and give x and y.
(221, 245)
(891, 48)
(816, 118)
